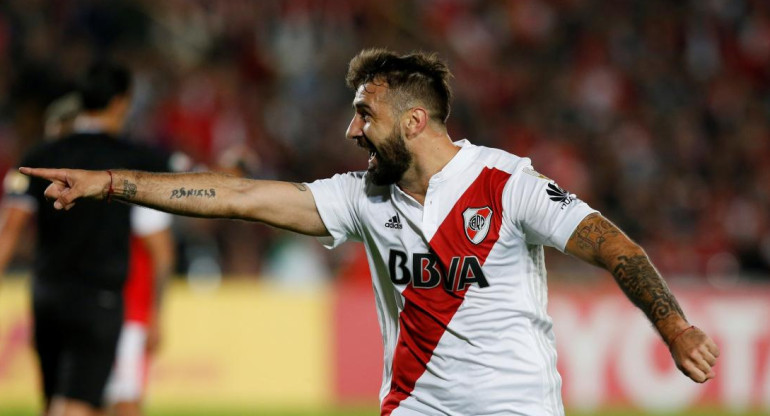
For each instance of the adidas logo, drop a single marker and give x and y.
(559, 195)
(394, 222)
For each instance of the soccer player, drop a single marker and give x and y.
(151, 262)
(78, 281)
(454, 234)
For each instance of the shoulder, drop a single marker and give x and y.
(38, 154)
(349, 177)
(523, 181)
(144, 156)
(353, 185)
(500, 159)
(352, 181)
(134, 148)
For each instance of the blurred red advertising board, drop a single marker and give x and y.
(609, 355)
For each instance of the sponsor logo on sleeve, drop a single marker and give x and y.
(560, 195)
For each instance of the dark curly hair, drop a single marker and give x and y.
(414, 78)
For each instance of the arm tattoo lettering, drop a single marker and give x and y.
(300, 186)
(595, 232)
(189, 193)
(645, 288)
(129, 189)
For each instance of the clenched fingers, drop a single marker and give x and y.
(712, 347)
(54, 191)
(696, 374)
(709, 357)
(695, 355)
(64, 197)
(699, 362)
(702, 364)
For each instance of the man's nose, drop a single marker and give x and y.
(354, 129)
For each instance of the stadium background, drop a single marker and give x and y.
(654, 112)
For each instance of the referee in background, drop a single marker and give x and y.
(78, 281)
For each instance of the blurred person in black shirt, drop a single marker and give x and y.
(78, 282)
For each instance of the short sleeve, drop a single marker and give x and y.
(17, 190)
(24, 191)
(337, 199)
(146, 221)
(545, 213)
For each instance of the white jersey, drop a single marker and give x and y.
(460, 283)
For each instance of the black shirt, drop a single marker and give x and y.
(87, 246)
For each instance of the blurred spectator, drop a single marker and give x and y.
(653, 100)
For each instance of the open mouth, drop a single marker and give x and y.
(366, 144)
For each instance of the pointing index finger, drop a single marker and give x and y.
(49, 174)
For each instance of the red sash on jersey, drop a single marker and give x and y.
(427, 312)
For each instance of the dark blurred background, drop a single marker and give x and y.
(654, 112)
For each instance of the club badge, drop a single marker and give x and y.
(477, 221)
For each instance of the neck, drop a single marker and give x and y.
(430, 156)
(95, 122)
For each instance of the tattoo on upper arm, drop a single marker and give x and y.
(645, 288)
(129, 189)
(187, 193)
(594, 232)
(301, 186)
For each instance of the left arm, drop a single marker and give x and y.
(598, 241)
(160, 245)
(13, 221)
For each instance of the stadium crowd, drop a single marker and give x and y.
(657, 113)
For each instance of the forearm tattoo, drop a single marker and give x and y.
(189, 193)
(300, 186)
(645, 288)
(595, 232)
(129, 189)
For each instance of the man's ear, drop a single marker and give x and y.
(416, 120)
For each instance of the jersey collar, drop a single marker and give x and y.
(458, 164)
(85, 124)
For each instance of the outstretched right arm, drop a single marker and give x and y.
(280, 204)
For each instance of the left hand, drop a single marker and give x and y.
(695, 354)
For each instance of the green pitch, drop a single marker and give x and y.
(373, 411)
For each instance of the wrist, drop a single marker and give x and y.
(109, 190)
(122, 188)
(671, 327)
(682, 332)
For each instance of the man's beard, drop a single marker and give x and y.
(393, 159)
